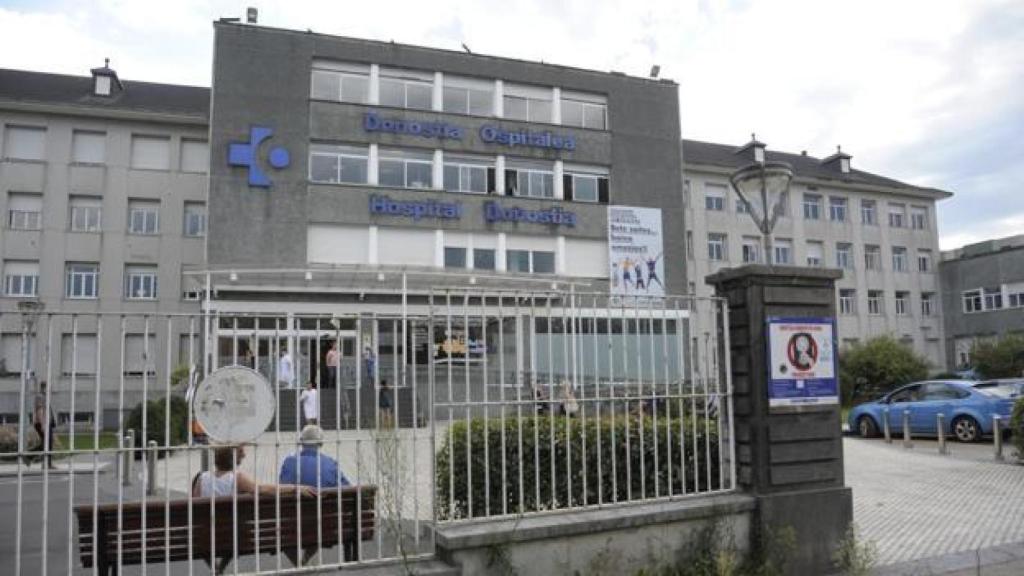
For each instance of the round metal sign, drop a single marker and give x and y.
(234, 404)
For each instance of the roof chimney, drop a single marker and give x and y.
(753, 150)
(104, 80)
(840, 160)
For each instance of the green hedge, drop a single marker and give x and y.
(1017, 427)
(562, 439)
(155, 423)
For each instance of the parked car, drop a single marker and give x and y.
(968, 410)
(1003, 387)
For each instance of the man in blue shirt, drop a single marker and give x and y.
(301, 468)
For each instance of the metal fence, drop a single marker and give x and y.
(453, 406)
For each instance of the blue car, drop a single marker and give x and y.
(968, 411)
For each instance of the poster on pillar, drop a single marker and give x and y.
(802, 362)
(635, 251)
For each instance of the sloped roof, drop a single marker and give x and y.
(60, 89)
(724, 155)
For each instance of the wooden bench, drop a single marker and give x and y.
(164, 534)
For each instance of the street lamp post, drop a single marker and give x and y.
(761, 185)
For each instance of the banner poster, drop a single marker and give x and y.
(635, 256)
(802, 362)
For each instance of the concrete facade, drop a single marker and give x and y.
(707, 170)
(45, 172)
(982, 295)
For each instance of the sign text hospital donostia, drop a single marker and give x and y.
(372, 122)
(492, 211)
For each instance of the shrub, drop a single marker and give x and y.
(877, 366)
(1003, 358)
(1017, 427)
(551, 462)
(156, 428)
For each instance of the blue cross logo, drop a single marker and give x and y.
(247, 154)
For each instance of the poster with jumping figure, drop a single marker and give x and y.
(635, 252)
(802, 362)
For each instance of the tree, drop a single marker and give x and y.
(1003, 358)
(877, 366)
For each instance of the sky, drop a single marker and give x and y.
(927, 92)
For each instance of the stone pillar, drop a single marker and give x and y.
(789, 458)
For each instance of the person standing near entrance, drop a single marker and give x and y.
(44, 423)
(333, 360)
(285, 370)
(371, 364)
(310, 400)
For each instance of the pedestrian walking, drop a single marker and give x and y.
(333, 361)
(285, 370)
(310, 401)
(44, 423)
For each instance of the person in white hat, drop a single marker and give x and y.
(309, 466)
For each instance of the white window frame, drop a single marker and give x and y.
(398, 156)
(869, 212)
(897, 215)
(714, 198)
(899, 259)
(993, 298)
(340, 152)
(407, 78)
(717, 247)
(972, 301)
(89, 274)
(876, 302)
(812, 206)
(343, 72)
(533, 96)
(591, 173)
(465, 165)
(837, 208)
(21, 278)
(924, 260)
(143, 217)
(815, 261)
(85, 214)
(532, 174)
(79, 144)
(751, 250)
(918, 218)
(847, 301)
(844, 255)
(872, 257)
(902, 301)
(194, 213)
(927, 303)
(23, 218)
(467, 87)
(11, 130)
(140, 282)
(139, 140)
(585, 102)
(782, 251)
(532, 262)
(191, 145)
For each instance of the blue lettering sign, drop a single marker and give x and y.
(372, 122)
(494, 212)
(385, 206)
(246, 154)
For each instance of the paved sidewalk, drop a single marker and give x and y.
(916, 504)
(1005, 560)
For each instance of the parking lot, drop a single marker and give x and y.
(915, 503)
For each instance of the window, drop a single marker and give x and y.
(742, 207)
(85, 214)
(686, 193)
(143, 217)
(924, 260)
(584, 110)
(927, 303)
(868, 212)
(897, 213)
(532, 179)
(716, 247)
(139, 352)
(875, 302)
(972, 301)
(335, 164)
(585, 183)
(1015, 296)
(78, 354)
(844, 255)
(405, 169)
(782, 206)
(12, 346)
(82, 280)
(815, 254)
(812, 207)
(751, 249)
(837, 209)
(689, 244)
(527, 103)
(847, 301)
(195, 156)
(468, 174)
(25, 143)
(902, 303)
(341, 82)
(140, 282)
(24, 211)
(872, 257)
(88, 147)
(783, 251)
(714, 197)
(484, 258)
(21, 278)
(406, 88)
(468, 96)
(536, 261)
(918, 217)
(993, 298)
(454, 257)
(151, 152)
(899, 259)
(195, 219)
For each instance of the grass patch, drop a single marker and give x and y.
(86, 441)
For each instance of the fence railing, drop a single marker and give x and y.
(466, 404)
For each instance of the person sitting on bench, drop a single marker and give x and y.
(301, 467)
(226, 478)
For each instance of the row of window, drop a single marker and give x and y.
(90, 147)
(993, 298)
(404, 168)
(527, 261)
(85, 214)
(416, 90)
(877, 306)
(79, 352)
(782, 249)
(81, 280)
(813, 205)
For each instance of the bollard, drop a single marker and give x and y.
(940, 428)
(151, 468)
(886, 429)
(997, 435)
(906, 430)
(129, 455)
